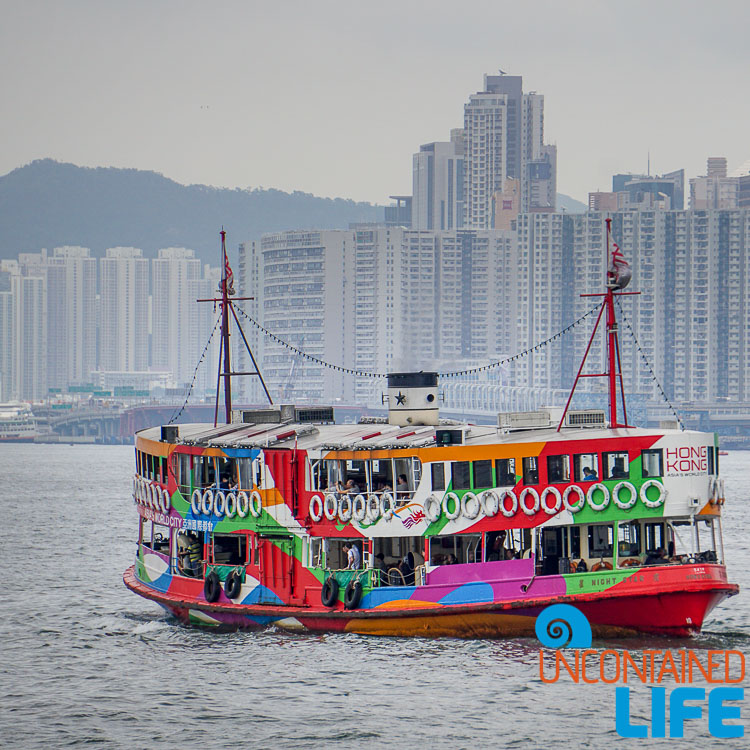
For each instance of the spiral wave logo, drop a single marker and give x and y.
(563, 626)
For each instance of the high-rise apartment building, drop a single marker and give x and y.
(438, 185)
(715, 189)
(124, 310)
(173, 302)
(504, 138)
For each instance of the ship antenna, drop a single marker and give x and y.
(226, 305)
(618, 277)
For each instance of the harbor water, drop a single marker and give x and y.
(86, 663)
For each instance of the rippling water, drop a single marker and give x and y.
(85, 662)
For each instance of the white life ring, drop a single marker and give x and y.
(147, 495)
(581, 498)
(524, 494)
(590, 497)
(432, 508)
(722, 497)
(135, 487)
(359, 508)
(137, 493)
(508, 512)
(659, 500)
(714, 488)
(155, 496)
(231, 507)
(345, 509)
(452, 515)
(387, 505)
(220, 503)
(195, 502)
(243, 504)
(144, 491)
(551, 510)
(256, 504)
(166, 501)
(316, 508)
(373, 507)
(207, 502)
(631, 501)
(490, 503)
(466, 511)
(330, 506)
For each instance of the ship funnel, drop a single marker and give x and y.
(413, 398)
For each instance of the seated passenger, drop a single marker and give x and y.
(497, 552)
(378, 562)
(657, 557)
(407, 568)
(402, 487)
(589, 475)
(581, 566)
(350, 488)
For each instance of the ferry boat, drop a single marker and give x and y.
(413, 525)
(17, 423)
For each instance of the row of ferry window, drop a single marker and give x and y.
(200, 471)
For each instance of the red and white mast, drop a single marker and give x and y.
(618, 277)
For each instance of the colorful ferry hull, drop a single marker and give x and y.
(280, 533)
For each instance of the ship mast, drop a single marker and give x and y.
(226, 306)
(618, 277)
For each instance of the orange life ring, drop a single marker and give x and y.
(603, 565)
(630, 562)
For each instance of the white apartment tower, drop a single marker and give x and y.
(124, 310)
(173, 341)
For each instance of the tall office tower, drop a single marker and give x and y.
(173, 342)
(715, 189)
(503, 133)
(665, 191)
(124, 313)
(250, 284)
(71, 318)
(438, 185)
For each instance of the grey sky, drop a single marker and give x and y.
(333, 97)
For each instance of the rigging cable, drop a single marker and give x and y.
(648, 365)
(177, 414)
(457, 373)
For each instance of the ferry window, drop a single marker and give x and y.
(710, 452)
(530, 470)
(482, 474)
(205, 475)
(615, 465)
(156, 538)
(585, 467)
(456, 548)
(404, 467)
(574, 542)
(505, 471)
(316, 553)
(230, 549)
(333, 474)
(416, 467)
(651, 463)
(438, 476)
(461, 472)
(558, 469)
(600, 540)
(183, 473)
(244, 468)
(628, 540)
(382, 474)
(227, 473)
(655, 537)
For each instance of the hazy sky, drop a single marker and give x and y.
(333, 97)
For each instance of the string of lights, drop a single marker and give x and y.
(454, 374)
(650, 369)
(177, 414)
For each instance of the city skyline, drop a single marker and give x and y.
(249, 95)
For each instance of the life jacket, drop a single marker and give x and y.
(195, 551)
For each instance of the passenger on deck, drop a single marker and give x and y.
(407, 568)
(589, 475)
(498, 551)
(402, 487)
(582, 567)
(350, 488)
(353, 557)
(183, 553)
(378, 562)
(452, 560)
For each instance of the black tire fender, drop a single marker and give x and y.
(212, 587)
(353, 594)
(329, 594)
(233, 585)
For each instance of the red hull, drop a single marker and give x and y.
(676, 610)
